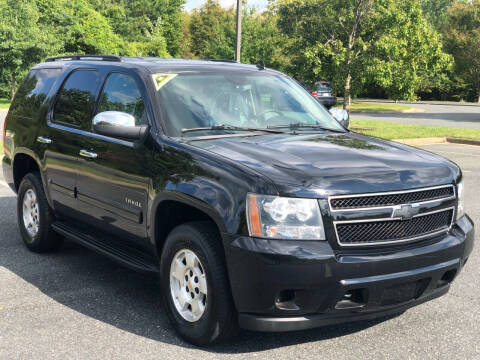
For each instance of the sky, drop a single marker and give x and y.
(191, 4)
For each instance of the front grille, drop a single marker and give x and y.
(391, 199)
(379, 232)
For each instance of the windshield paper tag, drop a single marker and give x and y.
(159, 80)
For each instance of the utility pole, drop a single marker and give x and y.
(239, 31)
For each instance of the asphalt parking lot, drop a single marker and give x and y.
(76, 304)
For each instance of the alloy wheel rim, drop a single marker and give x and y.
(31, 216)
(188, 285)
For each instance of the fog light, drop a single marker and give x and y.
(286, 300)
(352, 299)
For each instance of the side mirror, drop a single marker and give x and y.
(118, 124)
(341, 116)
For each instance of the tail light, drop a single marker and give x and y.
(314, 93)
(4, 131)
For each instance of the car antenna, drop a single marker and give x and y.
(261, 65)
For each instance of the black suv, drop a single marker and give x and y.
(254, 205)
(324, 94)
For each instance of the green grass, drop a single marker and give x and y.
(4, 104)
(374, 106)
(390, 131)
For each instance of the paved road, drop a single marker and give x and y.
(78, 305)
(436, 115)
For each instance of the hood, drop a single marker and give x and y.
(325, 164)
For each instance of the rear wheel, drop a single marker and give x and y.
(195, 286)
(35, 216)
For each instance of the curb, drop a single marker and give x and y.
(437, 140)
(386, 112)
(406, 111)
(422, 141)
(463, 141)
(424, 102)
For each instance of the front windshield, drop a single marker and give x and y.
(198, 100)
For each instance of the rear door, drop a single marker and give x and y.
(68, 118)
(113, 178)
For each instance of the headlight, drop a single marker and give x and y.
(461, 200)
(284, 218)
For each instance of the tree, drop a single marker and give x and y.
(186, 43)
(212, 35)
(436, 11)
(132, 19)
(212, 30)
(462, 40)
(351, 41)
(261, 40)
(414, 61)
(23, 42)
(86, 31)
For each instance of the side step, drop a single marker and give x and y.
(121, 253)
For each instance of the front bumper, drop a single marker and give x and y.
(294, 285)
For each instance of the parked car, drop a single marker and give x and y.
(324, 94)
(256, 208)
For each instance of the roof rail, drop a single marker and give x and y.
(86, 57)
(222, 60)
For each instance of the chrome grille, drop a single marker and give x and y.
(391, 231)
(351, 202)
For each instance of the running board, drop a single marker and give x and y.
(121, 253)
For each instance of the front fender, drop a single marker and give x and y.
(215, 185)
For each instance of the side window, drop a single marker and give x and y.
(121, 93)
(33, 91)
(76, 99)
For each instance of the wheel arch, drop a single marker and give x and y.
(172, 209)
(23, 163)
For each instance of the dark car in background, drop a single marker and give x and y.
(251, 203)
(323, 92)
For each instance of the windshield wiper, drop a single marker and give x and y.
(296, 126)
(231, 127)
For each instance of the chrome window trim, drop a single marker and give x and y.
(330, 198)
(386, 242)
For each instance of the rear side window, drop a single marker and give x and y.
(33, 91)
(121, 93)
(76, 99)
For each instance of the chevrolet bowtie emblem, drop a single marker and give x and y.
(404, 212)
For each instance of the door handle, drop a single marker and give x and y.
(44, 140)
(88, 154)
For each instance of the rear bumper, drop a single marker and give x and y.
(327, 100)
(7, 170)
(287, 285)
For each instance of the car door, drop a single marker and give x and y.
(113, 181)
(62, 137)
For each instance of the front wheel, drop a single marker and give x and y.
(195, 286)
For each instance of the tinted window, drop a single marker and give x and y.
(121, 93)
(76, 99)
(33, 91)
(324, 87)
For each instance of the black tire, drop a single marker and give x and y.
(45, 240)
(219, 319)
